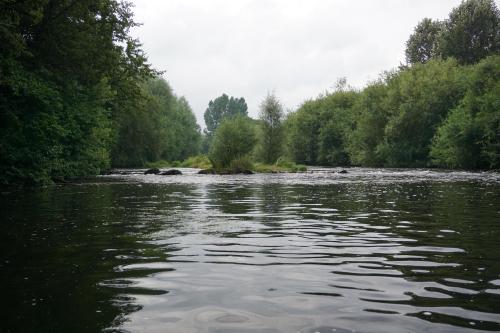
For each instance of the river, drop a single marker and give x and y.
(373, 250)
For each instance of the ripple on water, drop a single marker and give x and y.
(367, 251)
(314, 260)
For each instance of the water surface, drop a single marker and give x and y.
(373, 250)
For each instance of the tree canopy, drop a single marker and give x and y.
(423, 43)
(76, 94)
(67, 68)
(223, 107)
(271, 135)
(471, 33)
(161, 127)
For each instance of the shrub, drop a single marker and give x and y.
(234, 139)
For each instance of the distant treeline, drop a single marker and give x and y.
(77, 95)
(441, 109)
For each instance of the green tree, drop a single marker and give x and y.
(160, 127)
(422, 44)
(317, 132)
(223, 107)
(336, 124)
(302, 128)
(419, 100)
(471, 32)
(371, 112)
(187, 130)
(271, 136)
(66, 70)
(470, 137)
(234, 139)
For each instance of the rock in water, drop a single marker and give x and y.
(207, 172)
(171, 172)
(153, 171)
(342, 171)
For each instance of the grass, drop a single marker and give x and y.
(203, 162)
(198, 161)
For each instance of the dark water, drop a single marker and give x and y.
(369, 251)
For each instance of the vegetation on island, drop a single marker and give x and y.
(78, 96)
(218, 109)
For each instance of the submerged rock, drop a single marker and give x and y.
(171, 172)
(153, 171)
(342, 171)
(207, 172)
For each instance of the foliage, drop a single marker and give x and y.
(302, 129)
(438, 113)
(198, 161)
(241, 164)
(161, 127)
(271, 135)
(418, 101)
(471, 33)
(422, 44)
(223, 107)
(318, 130)
(470, 137)
(371, 112)
(65, 70)
(235, 138)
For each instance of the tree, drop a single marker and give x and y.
(223, 107)
(371, 112)
(470, 136)
(422, 44)
(187, 130)
(67, 69)
(233, 139)
(271, 138)
(302, 128)
(419, 100)
(336, 123)
(160, 127)
(471, 32)
(317, 132)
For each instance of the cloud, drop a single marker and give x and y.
(296, 48)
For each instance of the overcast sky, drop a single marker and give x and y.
(294, 48)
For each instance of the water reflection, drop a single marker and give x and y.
(255, 256)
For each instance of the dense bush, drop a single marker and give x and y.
(470, 137)
(234, 139)
(318, 131)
